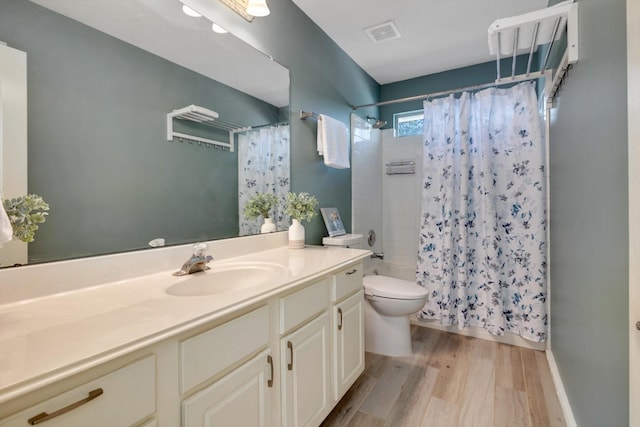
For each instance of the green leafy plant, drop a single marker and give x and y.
(25, 213)
(260, 204)
(301, 206)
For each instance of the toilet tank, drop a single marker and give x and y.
(346, 241)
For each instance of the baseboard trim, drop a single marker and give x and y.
(477, 332)
(562, 395)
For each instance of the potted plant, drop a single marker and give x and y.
(25, 213)
(260, 205)
(300, 207)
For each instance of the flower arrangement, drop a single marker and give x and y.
(25, 213)
(260, 204)
(301, 206)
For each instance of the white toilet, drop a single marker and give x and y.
(389, 303)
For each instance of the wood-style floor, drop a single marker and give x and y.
(450, 381)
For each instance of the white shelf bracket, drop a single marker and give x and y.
(196, 114)
(525, 33)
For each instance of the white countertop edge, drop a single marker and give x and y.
(19, 389)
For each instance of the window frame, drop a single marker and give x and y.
(406, 116)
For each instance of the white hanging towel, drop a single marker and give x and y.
(333, 142)
(6, 232)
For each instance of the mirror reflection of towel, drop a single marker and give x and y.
(6, 232)
(333, 142)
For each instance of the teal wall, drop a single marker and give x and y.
(447, 80)
(589, 221)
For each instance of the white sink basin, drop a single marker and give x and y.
(226, 277)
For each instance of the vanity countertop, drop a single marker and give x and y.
(43, 340)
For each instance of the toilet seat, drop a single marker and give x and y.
(392, 288)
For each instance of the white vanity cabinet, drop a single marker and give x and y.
(209, 353)
(120, 399)
(242, 397)
(348, 331)
(279, 360)
(305, 356)
(348, 343)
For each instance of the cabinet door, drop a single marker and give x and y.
(305, 374)
(348, 343)
(241, 398)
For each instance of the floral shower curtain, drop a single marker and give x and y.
(263, 167)
(482, 251)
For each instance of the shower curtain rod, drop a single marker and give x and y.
(505, 81)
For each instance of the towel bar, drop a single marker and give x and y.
(304, 115)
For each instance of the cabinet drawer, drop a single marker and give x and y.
(346, 282)
(302, 305)
(128, 395)
(209, 353)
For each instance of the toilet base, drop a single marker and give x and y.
(386, 335)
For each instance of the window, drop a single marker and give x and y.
(408, 123)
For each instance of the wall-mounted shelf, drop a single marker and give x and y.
(524, 33)
(203, 116)
(406, 167)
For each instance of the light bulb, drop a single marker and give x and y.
(257, 8)
(190, 12)
(218, 29)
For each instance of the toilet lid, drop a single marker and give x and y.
(390, 287)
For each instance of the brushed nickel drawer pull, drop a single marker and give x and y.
(270, 362)
(290, 347)
(340, 314)
(40, 418)
(349, 273)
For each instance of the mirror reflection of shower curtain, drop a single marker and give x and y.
(482, 250)
(263, 167)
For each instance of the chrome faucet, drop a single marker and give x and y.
(197, 262)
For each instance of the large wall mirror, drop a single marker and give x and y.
(102, 76)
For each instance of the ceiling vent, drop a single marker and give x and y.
(382, 32)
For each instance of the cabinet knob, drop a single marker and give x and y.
(638, 326)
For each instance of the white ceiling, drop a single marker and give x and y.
(436, 35)
(160, 27)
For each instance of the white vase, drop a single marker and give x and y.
(296, 235)
(268, 226)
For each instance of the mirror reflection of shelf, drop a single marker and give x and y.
(202, 116)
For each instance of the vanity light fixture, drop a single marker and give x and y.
(190, 12)
(218, 29)
(258, 8)
(248, 9)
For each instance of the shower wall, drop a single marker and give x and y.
(366, 183)
(388, 204)
(401, 196)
